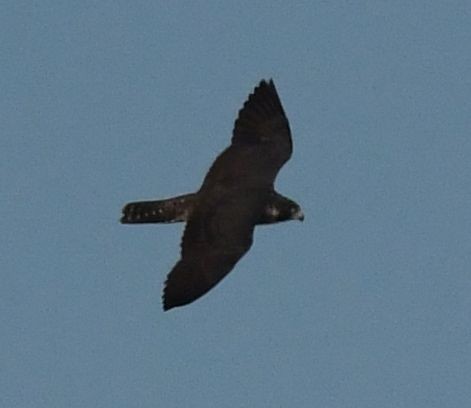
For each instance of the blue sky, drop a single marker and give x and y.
(365, 304)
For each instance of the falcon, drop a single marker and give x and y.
(236, 195)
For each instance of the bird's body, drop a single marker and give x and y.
(236, 195)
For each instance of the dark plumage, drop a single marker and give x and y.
(236, 195)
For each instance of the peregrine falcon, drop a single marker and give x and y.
(236, 195)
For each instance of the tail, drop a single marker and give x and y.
(174, 209)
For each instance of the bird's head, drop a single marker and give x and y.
(282, 209)
(295, 212)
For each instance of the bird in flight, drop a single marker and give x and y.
(236, 195)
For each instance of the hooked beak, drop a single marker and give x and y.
(299, 215)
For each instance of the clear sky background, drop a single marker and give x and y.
(365, 304)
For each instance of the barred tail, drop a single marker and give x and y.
(174, 209)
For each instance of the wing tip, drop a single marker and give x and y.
(265, 83)
(264, 93)
(262, 104)
(165, 306)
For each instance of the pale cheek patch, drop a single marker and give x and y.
(273, 212)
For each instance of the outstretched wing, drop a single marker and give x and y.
(215, 238)
(262, 121)
(261, 143)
